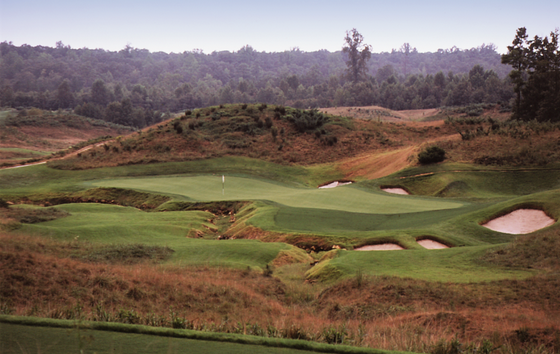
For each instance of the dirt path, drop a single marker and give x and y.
(377, 165)
(74, 153)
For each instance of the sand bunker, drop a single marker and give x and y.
(431, 244)
(395, 191)
(520, 221)
(335, 184)
(380, 247)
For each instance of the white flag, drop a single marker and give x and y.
(223, 179)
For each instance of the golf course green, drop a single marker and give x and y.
(345, 198)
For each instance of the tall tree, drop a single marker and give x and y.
(64, 95)
(99, 92)
(358, 55)
(536, 75)
(517, 58)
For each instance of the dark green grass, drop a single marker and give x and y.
(459, 264)
(473, 181)
(335, 221)
(349, 216)
(110, 224)
(25, 335)
(43, 180)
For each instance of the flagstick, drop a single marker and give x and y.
(223, 183)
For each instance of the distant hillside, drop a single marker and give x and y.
(34, 134)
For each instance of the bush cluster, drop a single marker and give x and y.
(433, 154)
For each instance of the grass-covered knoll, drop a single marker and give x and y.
(472, 181)
(272, 133)
(459, 264)
(108, 224)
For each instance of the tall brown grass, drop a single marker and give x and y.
(38, 278)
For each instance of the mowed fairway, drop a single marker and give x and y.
(110, 224)
(346, 198)
(16, 338)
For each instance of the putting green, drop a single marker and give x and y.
(346, 198)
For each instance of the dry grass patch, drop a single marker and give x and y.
(38, 277)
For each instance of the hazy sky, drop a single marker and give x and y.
(215, 25)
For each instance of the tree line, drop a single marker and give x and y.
(535, 75)
(135, 86)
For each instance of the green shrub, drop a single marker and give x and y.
(432, 154)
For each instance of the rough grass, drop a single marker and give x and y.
(234, 131)
(33, 135)
(374, 311)
(125, 254)
(532, 251)
(30, 215)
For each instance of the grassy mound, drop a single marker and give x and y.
(272, 133)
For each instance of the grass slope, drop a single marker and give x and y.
(459, 265)
(110, 224)
(58, 336)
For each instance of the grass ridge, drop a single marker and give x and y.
(191, 334)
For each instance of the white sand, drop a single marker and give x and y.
(431, 244)
(520, 221)
(395, 191)
(335, 184)
(380, 247)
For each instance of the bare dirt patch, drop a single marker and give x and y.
(380, 247)
(520, 221)
(377, 113)
(377, 165)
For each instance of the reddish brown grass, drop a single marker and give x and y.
(164, 144)
(37, 278)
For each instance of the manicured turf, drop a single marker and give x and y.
(336, 221)
(462, 180)
(39, 335)
(460, 264)
(288, 201)
(29, 339)
(346, 198)
(115, 224)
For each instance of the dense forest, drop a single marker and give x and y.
(134, 86)
(536, 76)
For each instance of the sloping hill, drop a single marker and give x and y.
(273, 133)
(34, 134)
